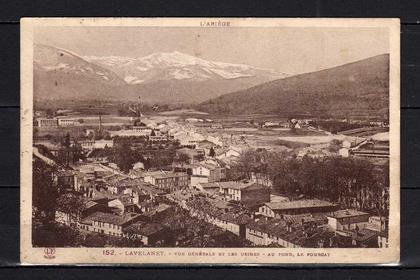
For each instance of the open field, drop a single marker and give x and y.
(313, 139)
(182, 112)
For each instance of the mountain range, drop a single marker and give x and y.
(157, 78)
(177, 66)
(360, 88)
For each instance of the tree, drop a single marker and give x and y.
(131, 241)
(98, 135)
(44, 192)
(72, 206)
(49, 113)
(46, 232)
(54, 235)
(77, 152)
(354, 183)
(182, 158)
(123, 157)
(335, 146)
(107, 136)
(64, 153)
(212, 153)
(95, 240)
(66, 141)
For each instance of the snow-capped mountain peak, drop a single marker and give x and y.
(110, 60)
(164, 77)
(174, 58)
(58, 60)
(177, 66)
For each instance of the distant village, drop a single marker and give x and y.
(183, 189)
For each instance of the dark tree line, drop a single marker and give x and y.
(50, 197)
(354, 183)
(125, 156)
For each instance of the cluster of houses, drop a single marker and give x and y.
(248, 210)
(133, 205)
(118, 205)
(126, 206)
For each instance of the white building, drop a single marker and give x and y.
(46, 122)
(96, 144)
(207, 173)
(347, 220)
(168, 181)
(67, 122)
(107, 223)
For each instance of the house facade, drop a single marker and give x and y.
(247, 193)
(348, 220)
(107, 223)
(278, 209)
(207, 173)
(168, 181)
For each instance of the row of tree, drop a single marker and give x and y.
(125, 156)
(125, 153)
(354, 183)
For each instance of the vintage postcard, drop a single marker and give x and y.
(210, 141)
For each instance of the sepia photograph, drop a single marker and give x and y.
(210, 141)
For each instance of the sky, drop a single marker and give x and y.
(291, 50)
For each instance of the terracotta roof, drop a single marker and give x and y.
(90, 204)
(110, 218)
(160, 174)
(208, 166)
(347, 213)
(114, 178)
(240, 219)
(278, 228)
(129, 182)
(365, 235)
(300, 218)
(159, 209)
(232, 185)
(125, 199)
(210, 185)
(206, 143)
(296, 204)
(147, 189)
(102, 195)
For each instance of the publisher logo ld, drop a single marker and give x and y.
(49, 253)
